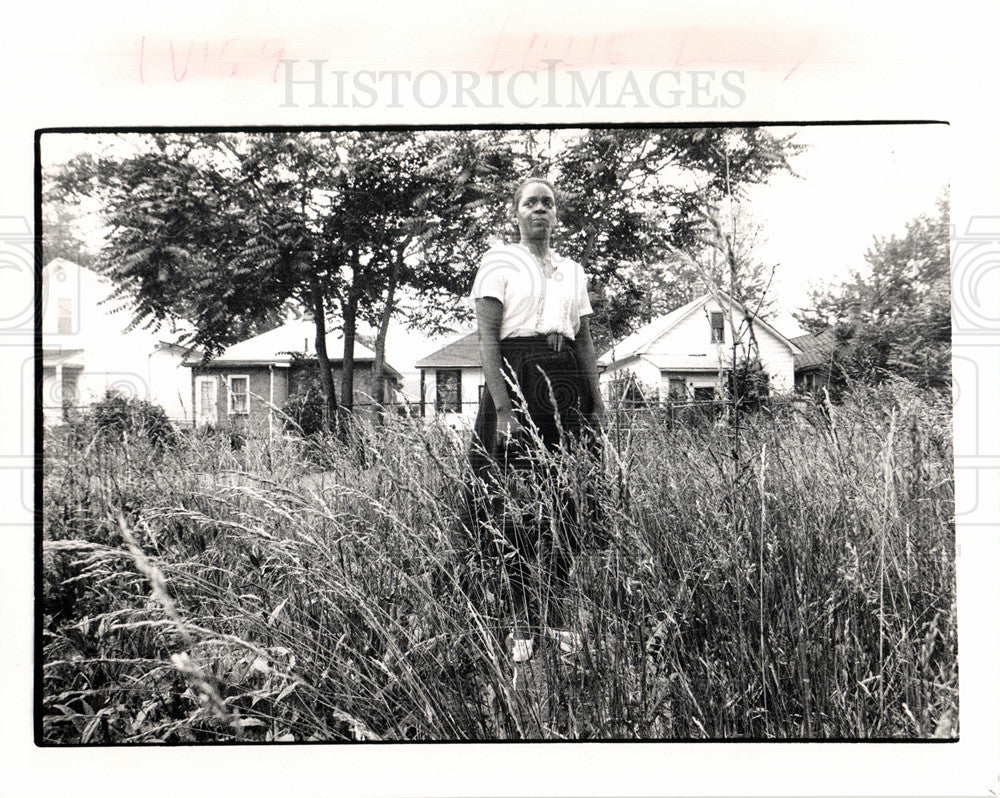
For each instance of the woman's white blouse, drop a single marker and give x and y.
(533, 304)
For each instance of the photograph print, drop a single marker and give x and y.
(495, 434)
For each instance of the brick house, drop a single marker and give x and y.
(248, 383)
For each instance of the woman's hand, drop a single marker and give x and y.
(598, 414)
(508, 428)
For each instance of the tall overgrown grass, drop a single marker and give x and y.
(796, 582)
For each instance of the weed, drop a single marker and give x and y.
(199, 592)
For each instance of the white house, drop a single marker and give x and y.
(683, 354)
(452, 382)
(87, 348)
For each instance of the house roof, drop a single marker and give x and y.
(816, 348)
(634, 344)
(276, 348)
(63, 357)
(638, 342)
(683, 362)
(460, 353)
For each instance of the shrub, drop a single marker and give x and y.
(749, 385)
(227, 434)
(304, 413)
(115, 417)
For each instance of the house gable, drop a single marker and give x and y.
(691, 334)
(80, 315)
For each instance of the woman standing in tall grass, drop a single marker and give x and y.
(538, 359)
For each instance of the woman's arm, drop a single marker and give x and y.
(489, 315)
(587, 358)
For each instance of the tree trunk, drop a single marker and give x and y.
(323, 358)
(382, 333)
(350, 333)
(395, 272)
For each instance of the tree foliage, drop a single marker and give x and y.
(417, 206)
(634, 197)
(894, 317)
(61, 238)
(228, 230)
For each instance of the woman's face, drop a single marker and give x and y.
(536, 212)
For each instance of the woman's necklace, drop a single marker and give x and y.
(545, 264)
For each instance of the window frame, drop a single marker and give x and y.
(230, 394)
(721, 327)
(64, 316)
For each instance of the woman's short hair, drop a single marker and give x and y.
(527, 182)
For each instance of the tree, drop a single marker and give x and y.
(895, 317)
(635, 197)
(60, 236)
(414, 209)
(230, 230)
(726, 256)
(221, 229)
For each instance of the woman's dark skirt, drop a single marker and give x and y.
(534, 533)
(552, 395)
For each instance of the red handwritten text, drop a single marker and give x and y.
(170, 60)
(774, 50)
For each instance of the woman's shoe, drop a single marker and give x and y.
(521, 648)
(569, 642)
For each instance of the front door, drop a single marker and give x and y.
(206, 401)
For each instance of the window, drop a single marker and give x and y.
(677, 391)
(482, 392)
(718, 328)
(205, 407)
(239, 396)
(449, 390)
(64, 323)
(704, 394)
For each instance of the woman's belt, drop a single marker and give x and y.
(554, 340)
